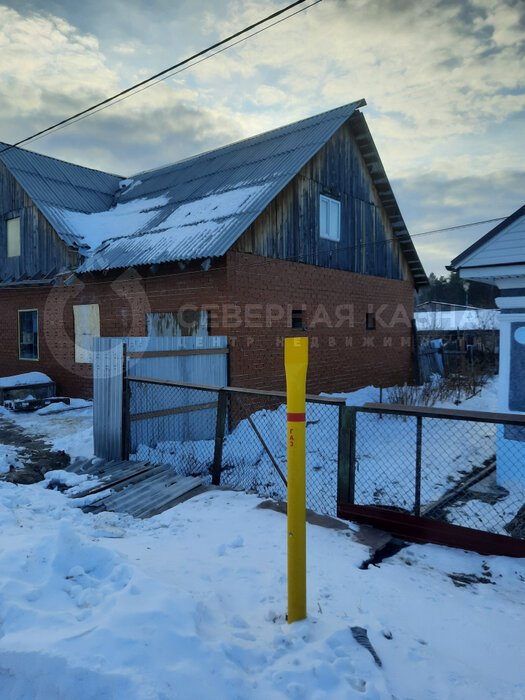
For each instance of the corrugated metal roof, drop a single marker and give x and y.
(55, 185)
(196, 208)
(212, 198)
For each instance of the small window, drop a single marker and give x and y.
(297, 319)
(28, 334)
(87, 326)
(13, 237)
(329, 218)
(370, 321)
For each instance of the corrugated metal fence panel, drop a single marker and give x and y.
(210, 369)
(107, 397)
(198, 369)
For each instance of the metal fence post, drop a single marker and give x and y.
(346, 455)
(417, 497)
(220, 425)
(126, 426)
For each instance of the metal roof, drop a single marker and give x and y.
(211, 199)
(55, 185)
(196, 208)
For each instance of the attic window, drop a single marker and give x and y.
(13, 237)
(329, 218)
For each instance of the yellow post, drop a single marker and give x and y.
(296, 363)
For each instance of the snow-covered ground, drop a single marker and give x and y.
(191, 604)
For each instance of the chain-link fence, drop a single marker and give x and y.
(455, 466)
(233, 437)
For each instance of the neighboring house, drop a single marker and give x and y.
(498, 258)
(296, 230)
(476, 327)
(442, 306)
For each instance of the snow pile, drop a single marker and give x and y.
(8, 458)
(26, 379)
(60, 406)
(192, 604)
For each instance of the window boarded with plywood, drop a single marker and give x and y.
(87, 327)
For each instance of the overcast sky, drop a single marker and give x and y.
(444, 82)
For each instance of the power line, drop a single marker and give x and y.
(454, 228)
(167, 72)
(96, 110)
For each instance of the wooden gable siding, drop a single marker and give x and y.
(42, 251)
(289, 227)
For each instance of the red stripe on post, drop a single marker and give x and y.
(296, 417)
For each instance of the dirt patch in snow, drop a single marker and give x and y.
(35, 454)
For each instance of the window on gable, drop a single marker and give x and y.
(329, 218)
(370, 321)
(13, 237)
(28, 334)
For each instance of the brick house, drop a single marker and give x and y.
(292, 231)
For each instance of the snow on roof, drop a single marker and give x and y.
(463, 320)
(27, 379)
(199, 228)
(122, 220)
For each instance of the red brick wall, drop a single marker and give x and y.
(245, 294)
(343, 354)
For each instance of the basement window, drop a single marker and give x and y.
(13, 237)
(329, 218)
(297, 319)
(370, 321)
(28, 334)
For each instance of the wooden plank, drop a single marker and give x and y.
(314, 398)
(178, 353)
(450, 413)
(425, 530)
(173, 411)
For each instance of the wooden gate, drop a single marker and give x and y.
(196, 359)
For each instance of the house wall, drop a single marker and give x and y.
(250, 299)
(343, 354)
(42, 251)
(289, 226)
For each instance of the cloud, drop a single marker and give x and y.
(444, 81)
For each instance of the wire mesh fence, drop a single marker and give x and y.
(454, 466)
(235, 437)
(450, 467)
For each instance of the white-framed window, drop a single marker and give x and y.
(87, 327)
(329, 218)
(13, 237)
